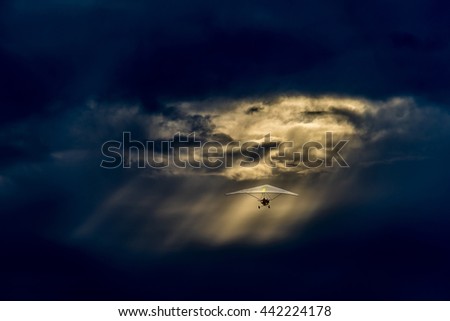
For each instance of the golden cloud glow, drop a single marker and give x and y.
(192, 208)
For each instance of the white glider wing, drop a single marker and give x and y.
(264, 190)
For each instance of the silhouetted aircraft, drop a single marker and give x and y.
(264, 193)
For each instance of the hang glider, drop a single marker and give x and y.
(264, 193)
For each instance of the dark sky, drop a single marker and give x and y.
(74, 74)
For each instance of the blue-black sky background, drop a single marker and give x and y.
(74, 74)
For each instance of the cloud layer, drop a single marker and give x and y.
(59, 52)
(174, 207)
(75, 74)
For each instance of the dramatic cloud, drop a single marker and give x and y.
(173, 207)
(75, 74)
(58, 52)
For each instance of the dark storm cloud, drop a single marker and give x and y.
(77, 73)
(202, 125)
(56, 52)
